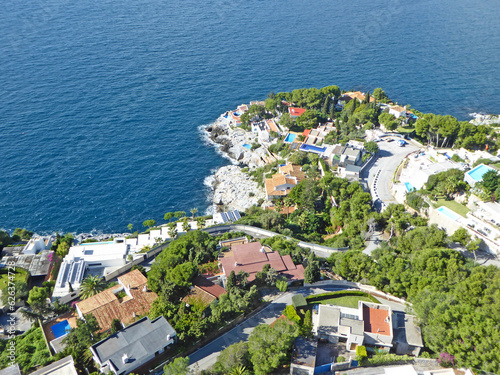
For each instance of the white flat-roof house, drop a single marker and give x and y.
(37, 244)
(88, 256)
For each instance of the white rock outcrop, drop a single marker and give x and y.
(235, 190)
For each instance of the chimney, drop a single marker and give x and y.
(145, 289)
(125, 358)
(128, 286)
(133, 314)
(262, 250)
(235, 264)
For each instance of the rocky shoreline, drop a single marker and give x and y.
(483, 119)
(232, 188)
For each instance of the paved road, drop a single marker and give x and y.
(205, 357)
(381, 171)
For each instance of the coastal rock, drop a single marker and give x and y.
(235, 190)
(481, 119)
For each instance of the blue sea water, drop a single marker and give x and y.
(101, 101)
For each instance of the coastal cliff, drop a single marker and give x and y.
(233, 189)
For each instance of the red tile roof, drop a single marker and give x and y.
(306, 132)
(251, 259)
(272, 125)
(208, 286)
(294, 111)
(376, 321)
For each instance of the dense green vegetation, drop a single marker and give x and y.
(31, 351)
(457, 301)
(171, 276)
(447, 131)
(268, 347)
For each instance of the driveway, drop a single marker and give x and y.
(381, 171)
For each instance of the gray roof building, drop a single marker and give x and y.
(11, 370)
(64, 366)
(303, 357)
(134, 345)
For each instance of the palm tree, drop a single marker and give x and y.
(239, 370)
(193, 211)
(92, 285)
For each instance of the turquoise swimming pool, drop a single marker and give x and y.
(246, 145)
(409, 187)
(447, 212)
(290, 138)
(477, 173)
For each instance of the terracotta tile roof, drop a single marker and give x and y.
(250, 259)
(294, 111)
(398, 108)
(376, 321)
(279, 179)
(134, 278)
(208, 286)
(272, 125)
(306, 132)
(294, 171)
(358, 95)
(197, 293)
(106, 306)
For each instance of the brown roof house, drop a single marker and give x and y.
(283, 182)
(125, 301)
(252, 257)
(204, 290)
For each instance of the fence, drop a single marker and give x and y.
(263, 233)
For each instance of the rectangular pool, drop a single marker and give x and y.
(447, 212)
(60, 329)
(477, 173)
(290, 138)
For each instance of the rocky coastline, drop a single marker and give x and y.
(233, 189)
(484, 119)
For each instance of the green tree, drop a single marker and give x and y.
(185, 225)
(62, 249)
(234, 356)
(78, 341)
(282, 285)
(116, 326)
(179, 366)
(307, 325)
(92, 285)
(269, 345)
(172, 230)
(168, 216)
(179, 214)
(491, 181)
(388, 120)
(130, 226)
(193, 211)
(37, 299)
(231, 281)
(379, 94)
(311, 272)
(149, 223)
(461, 236)
(371, 147)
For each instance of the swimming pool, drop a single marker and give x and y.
(447, 212)
(290, 138)
(246, 145)
(477, 173)
(311, 148)
(60, 329)
(409, 187)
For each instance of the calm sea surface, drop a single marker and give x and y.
(101, 101)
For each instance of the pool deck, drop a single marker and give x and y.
(71, 317)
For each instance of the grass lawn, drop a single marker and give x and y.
(454, 206)
(20, 275)
(405, 130)
(346, 299)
